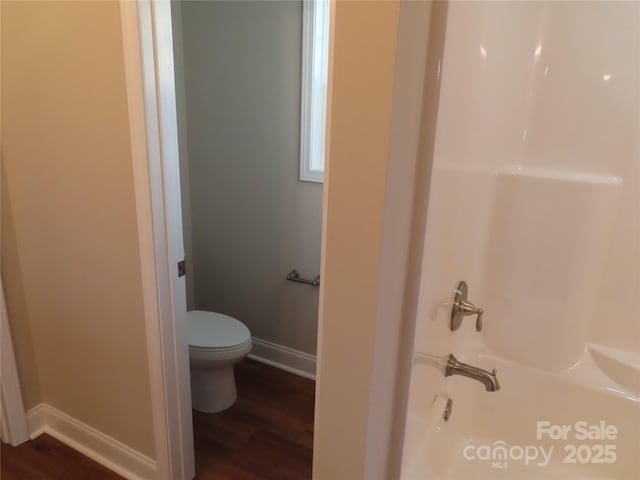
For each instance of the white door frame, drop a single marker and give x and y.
(148, 53)
(13, 417)
(405, 210)
(13, 420)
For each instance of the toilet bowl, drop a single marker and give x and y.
(216, 343)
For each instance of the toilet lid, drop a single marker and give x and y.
(215, 330)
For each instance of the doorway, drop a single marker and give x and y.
(251, 218)
(361, 294)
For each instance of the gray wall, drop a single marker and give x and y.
(251, 219)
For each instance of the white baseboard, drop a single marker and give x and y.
(285, 358)
(107, 451)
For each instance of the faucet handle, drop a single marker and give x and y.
(462, 307)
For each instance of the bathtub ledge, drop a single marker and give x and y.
(621, 366)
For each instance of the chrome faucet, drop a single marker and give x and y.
(489, 379)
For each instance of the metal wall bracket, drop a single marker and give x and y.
(294, 276)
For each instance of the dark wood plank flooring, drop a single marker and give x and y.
(266, 435)
(47, 458)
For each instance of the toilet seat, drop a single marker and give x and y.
(210, 331)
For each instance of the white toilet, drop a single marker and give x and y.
(216, 343)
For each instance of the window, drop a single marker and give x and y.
(315, 58)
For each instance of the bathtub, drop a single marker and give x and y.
(574, 424)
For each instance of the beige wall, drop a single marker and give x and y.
(69, 242)
(364, 47)
(251, 219)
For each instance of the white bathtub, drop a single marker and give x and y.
(467, 446)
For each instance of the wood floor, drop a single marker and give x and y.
(266, 435)
(47, 458)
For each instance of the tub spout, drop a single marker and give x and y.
(488, 379)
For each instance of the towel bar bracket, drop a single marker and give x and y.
(294, 276)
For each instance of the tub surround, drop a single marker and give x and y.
(534, 199)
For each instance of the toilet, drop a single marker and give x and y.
(216, 343)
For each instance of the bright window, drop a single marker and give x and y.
(315, 55)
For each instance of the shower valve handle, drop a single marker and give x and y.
(463, 307)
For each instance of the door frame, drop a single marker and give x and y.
(405, 213)
(148, 54)
(13, 418)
